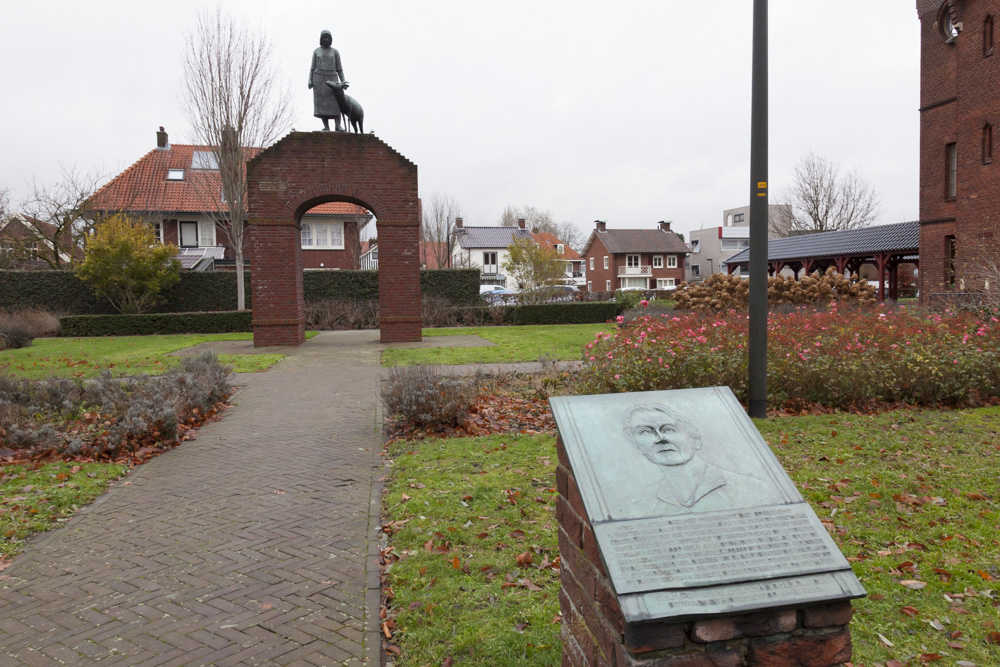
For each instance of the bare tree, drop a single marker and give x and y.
(534, 218)
(822, 199)
(570, 234)
(58, 219)
(236, 104)
(439, 227)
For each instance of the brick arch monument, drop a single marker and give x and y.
(303, 170)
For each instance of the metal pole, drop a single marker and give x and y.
(758, 215)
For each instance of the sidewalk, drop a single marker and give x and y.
(256, 543)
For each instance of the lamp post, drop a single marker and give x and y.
(758, 215)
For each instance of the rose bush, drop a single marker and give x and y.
(840, 357)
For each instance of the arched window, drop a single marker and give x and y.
(987, 143)
(988, 35)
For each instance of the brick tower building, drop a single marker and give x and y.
(959, 109)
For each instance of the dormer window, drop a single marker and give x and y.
(204, 160)
(175, 174)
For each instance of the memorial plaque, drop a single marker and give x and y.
(271, 186)
(692, 512)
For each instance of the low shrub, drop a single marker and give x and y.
(19, 327)
(722, 292)
(581, 312)
(334, 314)
(120, 416)
(16, 335)
(843, 358)
(156, 323)
(422, 395)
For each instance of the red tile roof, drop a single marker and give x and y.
(144, 187)
(550, 241)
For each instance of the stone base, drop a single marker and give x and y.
(595, 633)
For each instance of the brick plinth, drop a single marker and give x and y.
(595, 633)
(304, 170)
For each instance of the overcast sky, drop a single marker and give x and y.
(630, 112)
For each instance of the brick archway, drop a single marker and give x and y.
(303, 170)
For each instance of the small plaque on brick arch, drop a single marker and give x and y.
(692, 512)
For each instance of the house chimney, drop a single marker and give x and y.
(161, 138)
(601, 225)
(458, 223)
(664, 225)
(521, 223)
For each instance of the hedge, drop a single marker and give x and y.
(563, 313)
(155, 323)
(63, 292)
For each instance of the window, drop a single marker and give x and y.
(632, 261)
(695, 245)
(987, 143)
(204, 160)
(590, 286)
(950, 252)
(636, 283)
(951, 171)
(175, 174)
(696, 269)
(323, 235)
(158, 231)
(735, 244)
(605, 262)
(738, 217)
(206, 234)
(591, 263)
(490, 262)
(988, 35)
(189, 234)
(657, 261)
(560, 248)
(665, 283)
(607, 285)
(672, 262)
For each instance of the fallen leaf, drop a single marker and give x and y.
(913, 584)
(884, 640)
(521, 627)
(910, 611)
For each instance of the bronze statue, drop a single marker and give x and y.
(353, 114)
(326, 68)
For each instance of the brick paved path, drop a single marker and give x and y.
(253, 544)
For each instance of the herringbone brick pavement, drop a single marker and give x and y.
(253, 544)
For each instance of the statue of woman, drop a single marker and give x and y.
(326, 67)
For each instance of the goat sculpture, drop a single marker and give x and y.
(354, 115)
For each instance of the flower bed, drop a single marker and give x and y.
(842, 358)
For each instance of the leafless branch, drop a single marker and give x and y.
(821, 199)
(236, 104)
(439, 226)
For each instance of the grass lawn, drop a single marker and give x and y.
(911, 498)
(513, 344)
(32, 500)
(122, 355)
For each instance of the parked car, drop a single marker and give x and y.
(500, 296)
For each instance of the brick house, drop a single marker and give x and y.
(634, 258)
(27, 243)
(959, 182)
(177, 190)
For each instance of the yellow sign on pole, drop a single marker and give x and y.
(761, 185)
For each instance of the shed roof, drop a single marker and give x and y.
(899, 237)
